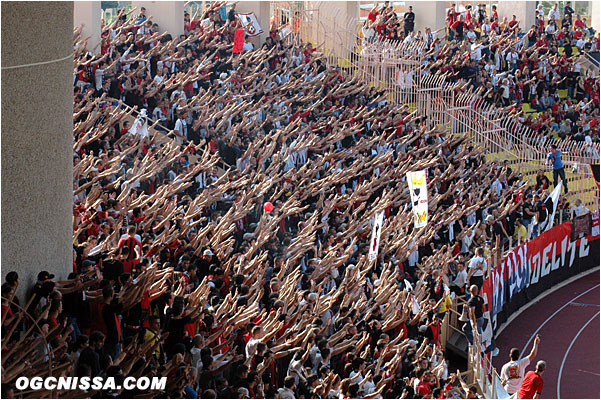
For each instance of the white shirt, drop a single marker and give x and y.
(295, 369)
(356, 377)
(285, 393)
(461, 279)
(180, 126)
(477, 52)
(540, 12)
(554, 14)
(579, 210)
(248, 46)
(251, 347)
(138, 237)
(512, 57)
(474, 265)
(514, 372)
(490, 69)
(496, 185)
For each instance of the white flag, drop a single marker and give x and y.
(140, 125)
(284, 32)
(551, 205)
(374, 244)
(250, 23)
(487, 331)
(419, 196)
(414, 305)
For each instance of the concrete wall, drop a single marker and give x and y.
(37, 140)
(89, 14)
(168, 14)
(430, 14)
(339, 27)
(596, 12)
(523, 10)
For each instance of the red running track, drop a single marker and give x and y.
(567, 321)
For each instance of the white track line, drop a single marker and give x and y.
(544, 294)
(553, 315)
(565, 356)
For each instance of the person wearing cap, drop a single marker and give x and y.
(204, 262)
(532, 385)
(496, 231)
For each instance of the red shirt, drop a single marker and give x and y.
(132, 243)
(372, 16)
(424, 388)
(531, 385)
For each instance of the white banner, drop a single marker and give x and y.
(140, 125)
(419, 196)
(284, 32)
(250, 23)
(374, 244)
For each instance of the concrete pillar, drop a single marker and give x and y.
(523, 10)
(168, 14)
(37, 140)
(430, 14)
(263, 12)
(88, 13)
(595, 12)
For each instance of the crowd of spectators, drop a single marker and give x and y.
(225, 246)
(535, 72)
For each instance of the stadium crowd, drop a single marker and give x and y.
(225, 245)
(534, 73)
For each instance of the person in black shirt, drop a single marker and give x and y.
(90, 356)
(476, 309)
(572, 80)
(494, 229)
(110, 311)
(231, 15)
(457, 28)
(568, 11)
(409, 19)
